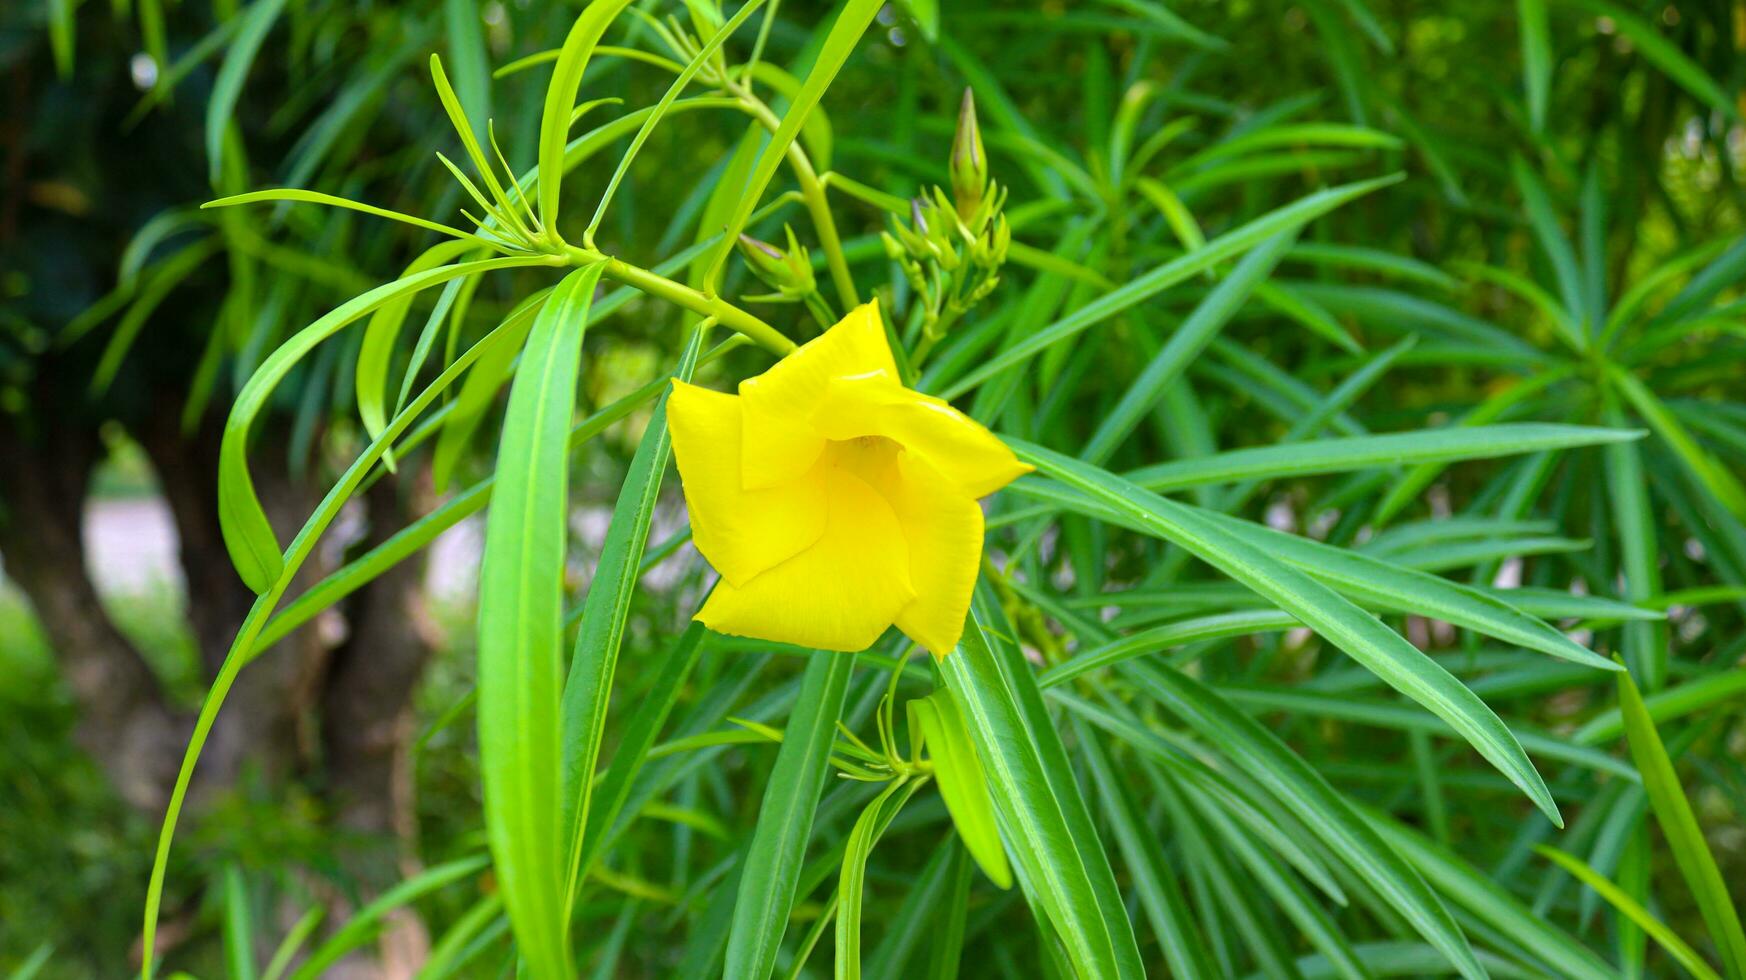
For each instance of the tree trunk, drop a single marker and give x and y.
(265, 720)
(124, 721)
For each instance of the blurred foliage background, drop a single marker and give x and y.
(1565, 247)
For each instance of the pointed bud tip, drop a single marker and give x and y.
(768, 249)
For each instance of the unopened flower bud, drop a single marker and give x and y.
(789, 272)
(969, 162)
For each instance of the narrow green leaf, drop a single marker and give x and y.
(1354, 631)
(1344, 455)
(1676, 947)
(1185, 344)
(380, 335)
(869, 827)
(1666, 705)
(560, 98)
(1536, 58)
(316, 197)
(588, 689)
(362, 926)
(1304, 792)
(705, 54)
(239, 928)
(292, 944)
(239, 57)
(771, 872)
(521, 628)
(1061, 861)
(634, 745)
(963, 783)
(248, 634)
(253, 546)
(1155, 281)
(1479, 894)
(1647, 40)
(1715, 477)
(852, 21)
(1685, 838)
(1172, 921)
(462, 26)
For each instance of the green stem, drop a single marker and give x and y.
(812, 194)
(729, 315)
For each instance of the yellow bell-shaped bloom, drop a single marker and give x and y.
(833, 500)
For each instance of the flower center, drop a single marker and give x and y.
(868, 457)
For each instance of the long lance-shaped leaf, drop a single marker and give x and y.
(1363, 637)
(1186, 343)
(1061, 861)
(1475, 891)
(1149, 284)
(249, 538)
(249, 633)
(381, 334)
(588, 690)
(1166, 910)
(227, 85)
(1303, 791)
(521, 629)
(1372, 581)
(771, 872)
(633, 746)
(1684, 837)
(560, 99)
(1346, 454)
(869, 827)
(1633, 910)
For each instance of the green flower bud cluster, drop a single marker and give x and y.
(953, 246)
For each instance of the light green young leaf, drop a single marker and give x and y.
(852, 21)
(593, 664)
(963, 783)
(560, 98)
(869, 827)
(1685, 838)
(521, 630)
(1676, 947)
(249, 538)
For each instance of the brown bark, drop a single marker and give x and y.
(264, 722)
(124, 721)
(367, 700)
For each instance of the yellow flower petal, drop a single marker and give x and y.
(781, 443)
(839, 594)
(965, 453)
(741, 532)
(944, 531)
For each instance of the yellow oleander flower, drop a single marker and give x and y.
(833, 500)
